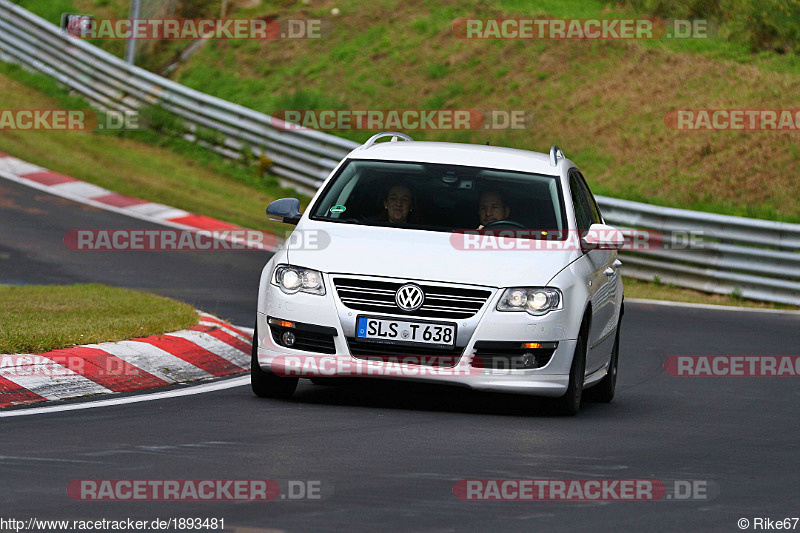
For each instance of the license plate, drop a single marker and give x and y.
(382, 329)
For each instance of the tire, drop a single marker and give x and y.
(603, 392)
(570, 403)
(266, 384)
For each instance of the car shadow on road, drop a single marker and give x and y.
(391, 394)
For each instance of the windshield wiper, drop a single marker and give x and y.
(346, 220)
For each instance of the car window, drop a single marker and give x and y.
(580, 203)
(594, 210)
(439, 197)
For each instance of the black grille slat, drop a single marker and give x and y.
(440, 301)
(354, 293)
(364, 301)
(312, 346)
(455, 296)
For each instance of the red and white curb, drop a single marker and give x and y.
(212, 348)
(25, 173)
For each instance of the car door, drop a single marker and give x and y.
(602, 278)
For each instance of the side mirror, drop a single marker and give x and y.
(284, 210)
(603, 237)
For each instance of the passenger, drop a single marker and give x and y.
(398, 204)
(492, 208)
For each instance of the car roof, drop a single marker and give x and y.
(475, 155)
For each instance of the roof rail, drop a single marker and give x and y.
(555, 153)
(393, 134)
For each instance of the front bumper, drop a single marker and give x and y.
(488, 324)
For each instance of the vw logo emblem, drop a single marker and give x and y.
(409, 297)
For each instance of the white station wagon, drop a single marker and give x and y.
(460, 264)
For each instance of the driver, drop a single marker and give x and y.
(492, 208)
(398, 203)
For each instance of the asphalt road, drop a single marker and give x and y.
(387, 455)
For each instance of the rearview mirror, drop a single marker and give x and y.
(284, 210)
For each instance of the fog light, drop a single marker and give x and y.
(288, 338)
(528, 360)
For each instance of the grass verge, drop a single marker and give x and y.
(143, 163)
(39, 318)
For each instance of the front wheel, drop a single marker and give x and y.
(603, 392)
(266, 384)
(570, 403)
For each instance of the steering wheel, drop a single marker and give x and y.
(497, 223)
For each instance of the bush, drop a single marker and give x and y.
(770, 24)
(159, 119)
(761, 24)
(193, 9)
(212, 137)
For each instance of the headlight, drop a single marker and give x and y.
(536, 301)
(292, 279)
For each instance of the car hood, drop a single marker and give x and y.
(423, 255)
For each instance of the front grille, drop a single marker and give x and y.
(506, 355)
(399, 353)
(440, 302)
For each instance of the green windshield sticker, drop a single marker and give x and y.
(338, 209)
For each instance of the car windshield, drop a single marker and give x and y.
(439, 197)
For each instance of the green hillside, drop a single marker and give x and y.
(603, 102)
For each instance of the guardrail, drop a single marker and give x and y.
(758, 259)
(753, 258)
(301, 157)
